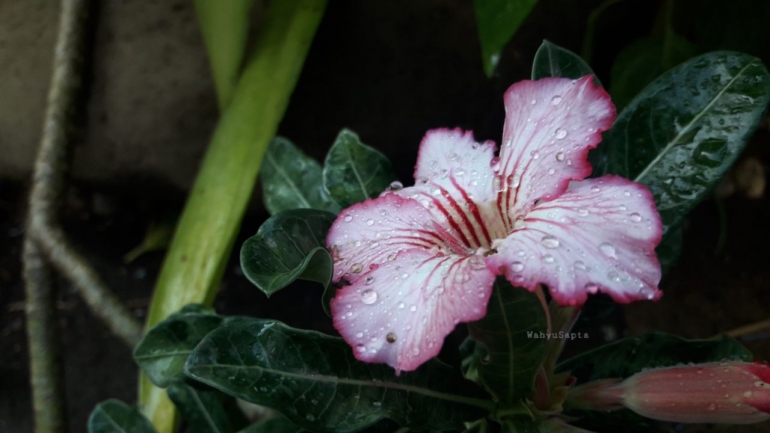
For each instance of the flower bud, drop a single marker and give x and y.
(725, 393)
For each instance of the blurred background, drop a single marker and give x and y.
(387, 70)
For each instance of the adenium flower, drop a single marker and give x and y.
(417, 261)
(724, 392)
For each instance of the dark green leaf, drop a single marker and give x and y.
(508, 351)
(163, 351)
(497, 22)
(317, 383)
(554, 61)
(114, 416)
(289, 245)
(623, 420)
(631, 355)
(683, 131)
(354, 171)
(643, 61)
(292, 180)
(670, 248)
(203, 409)
(275, 425)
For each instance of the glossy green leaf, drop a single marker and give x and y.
(631, 355)
(292, 180)
(498, 21)
(317, 383)
(163, 351)
(202, 408)
(683, 131)
(552, 60)
(509, 349)
(275, 425)
(354, 172)
(643, 61)
(289, 245)
(114, 416)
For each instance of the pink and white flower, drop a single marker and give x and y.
(417, 261)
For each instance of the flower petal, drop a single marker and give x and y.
(550, 126)
(371, 233)
(600, 235)
(400, 313)
(453, 181)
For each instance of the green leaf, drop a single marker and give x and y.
(684, 130)
(317, 383)
(203, 409)
(225, 28)
(497, 21)
(670, 248)
(508, 352)
(631, 355)
(114, 416)
(643, 61)
(163, 351)
(354, 171)
(289, 245)
(552, 60)
(275, 425)
(292, 180)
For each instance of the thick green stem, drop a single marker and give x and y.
(208, 226)
(45, 370)
(225, 28)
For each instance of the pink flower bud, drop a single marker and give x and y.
(725, 393)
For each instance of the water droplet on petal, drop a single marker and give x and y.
(391, 337)
(401, 305)
(368, 280)
(612, 275)
(359, 334)
(368, 296)
(548, 258)
(560, 156)
(494, 163)
(635, 217)
(360, 348)
(348, 218)
(582, 212)
(413, 308)
(517, 266)
(608, 250)
(435, 191)
(560, 133)
(556, 100)
(519, 223)
(549, 241)
(580, 266)
(535, 154)
(395, 186)
(357, 268)
(459, 171)
(591, 288)
(370, 222)
(551, 171)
